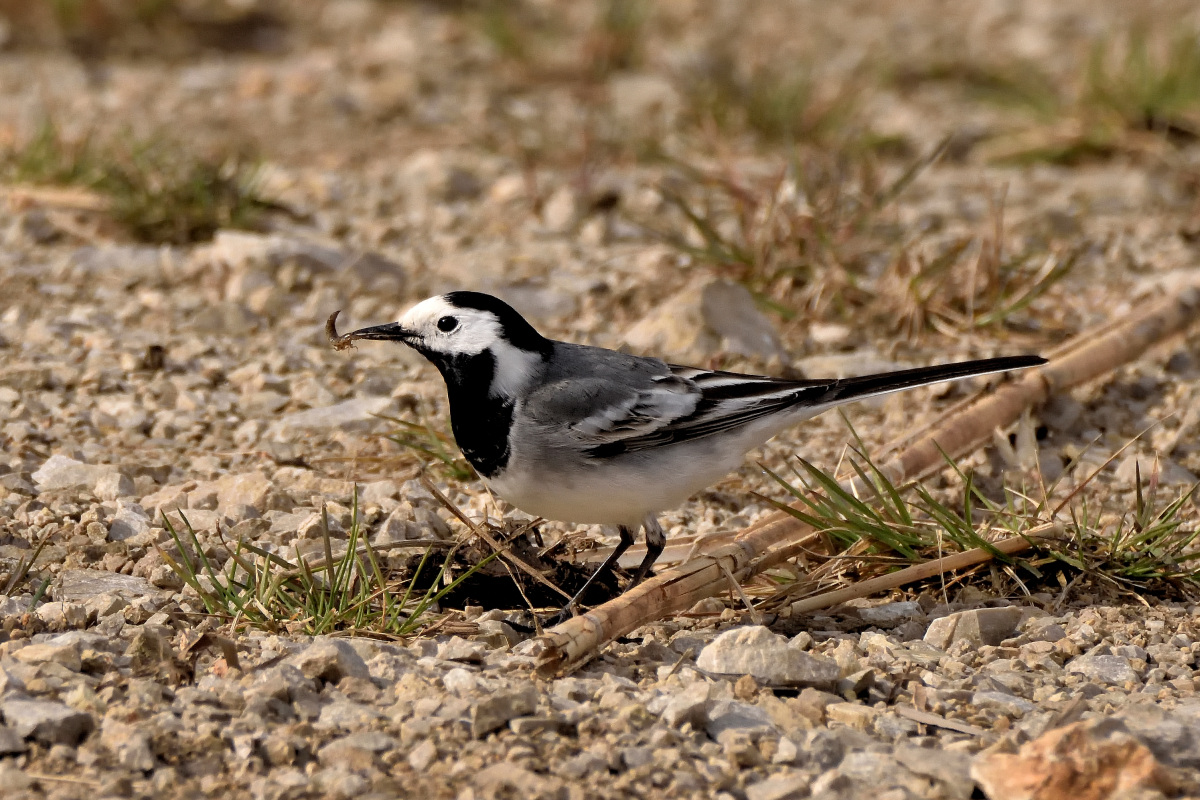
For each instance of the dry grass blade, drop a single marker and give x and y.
(25, 565)
(781, 536)
(808, 235)
(910, 174)
(928, 718)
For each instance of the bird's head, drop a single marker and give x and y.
(465, 334)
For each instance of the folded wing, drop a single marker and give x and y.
(608, 417)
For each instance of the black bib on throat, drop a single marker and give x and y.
(480, 421)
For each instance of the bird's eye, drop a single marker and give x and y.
(447, 324)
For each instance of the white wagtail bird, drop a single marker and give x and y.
(582, 434)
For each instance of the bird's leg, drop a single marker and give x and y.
(623, 545)
(656, 540)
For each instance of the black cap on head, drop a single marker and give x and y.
(515, 329)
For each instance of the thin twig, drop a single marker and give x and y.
(735, 586)
(929, 718)
(691, 651)
(537, 623)
(478, 530)
(39, 776)
(24, 567)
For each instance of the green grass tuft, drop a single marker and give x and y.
(501, 26)
(157, 190)
(1152, 548)
(618, 38)
(780, 104)
(347, 592)
(430, 446)
(1150, 83)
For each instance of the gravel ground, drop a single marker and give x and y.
(140, 380)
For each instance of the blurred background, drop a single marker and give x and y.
(792, 186)
(582, 87)
(605, 80)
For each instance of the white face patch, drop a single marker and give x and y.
(450, 330)
(474, 332)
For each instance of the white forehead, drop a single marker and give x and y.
(426, 312)
(477, 329)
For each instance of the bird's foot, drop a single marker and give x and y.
(641, 575)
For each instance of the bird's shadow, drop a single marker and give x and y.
(499, 584)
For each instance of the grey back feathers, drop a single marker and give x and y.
(583, 434)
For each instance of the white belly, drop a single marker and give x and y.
(623, 490)
(620, 494)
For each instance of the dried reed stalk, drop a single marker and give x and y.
(1010, 545)
(53, 197)
(1089, 356)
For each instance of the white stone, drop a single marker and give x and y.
(789, 785)
(168, 498)
(397, 528)
(47, 721)
(689, 705)
(1110, 669)
(495, 711)
(195, 518)
(330, 660)
(102, 605)
(247, 489)
(129, 521)
(112, 485)
(60, 472)
(357, 414)
(422, 755)
(560, 210)
(65, 654)
(59, 614)
(10, 606)
(121, 412)
(771, 659)
(461, 681)
(730, 716)
(80, 585)
(378, 491)
(889, 615)
(1005, 703)
(644, 99)
(704, 319)
(979, 626)
(129, 743)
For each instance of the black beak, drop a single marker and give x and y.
(392, 331)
